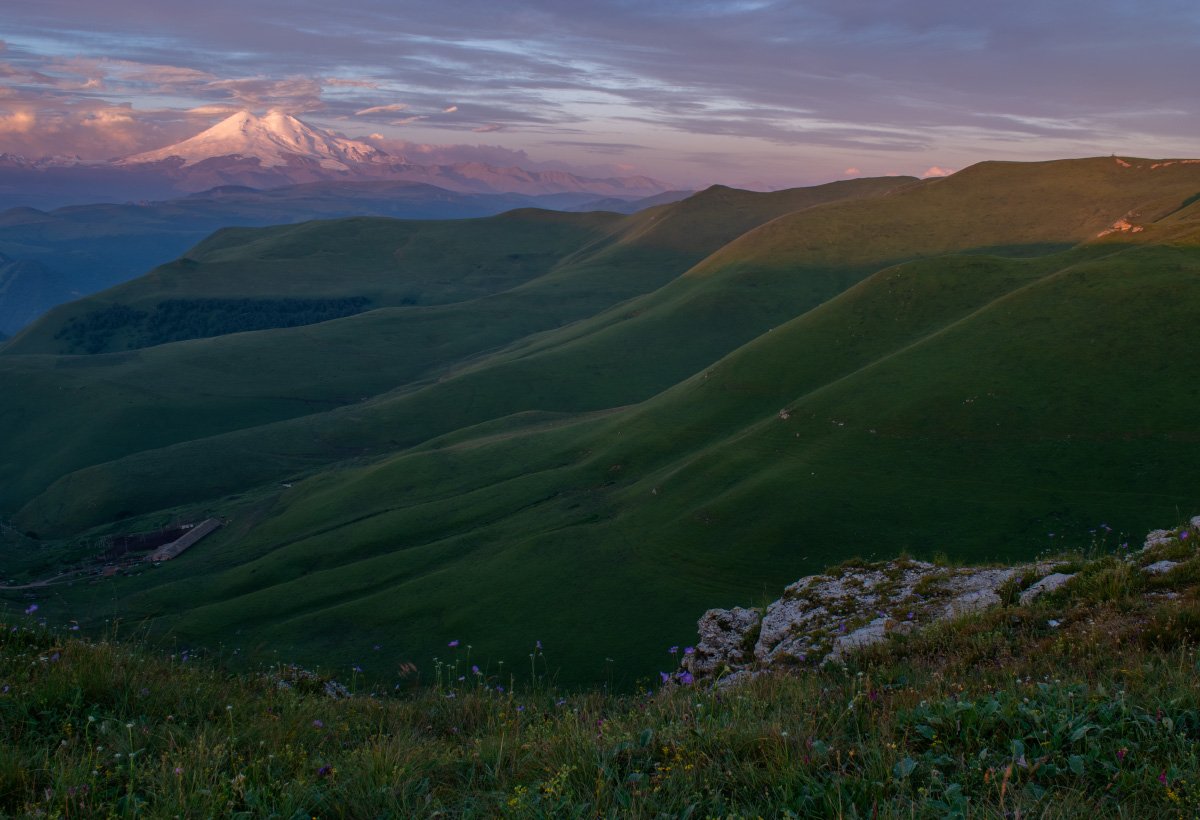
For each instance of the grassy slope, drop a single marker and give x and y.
(1083, 704)
(703, 494)
(150, 398)
(764, 278)
(393, 262)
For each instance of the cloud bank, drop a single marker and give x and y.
(791, 91)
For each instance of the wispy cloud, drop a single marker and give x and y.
(294, 94)
(769, 86)
(345, 82)
(381, 109)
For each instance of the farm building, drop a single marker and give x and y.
(183, 542)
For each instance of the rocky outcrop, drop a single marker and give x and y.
(821, 618)
(728, 636)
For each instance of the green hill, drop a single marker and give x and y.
(152, 397)
(729, 392)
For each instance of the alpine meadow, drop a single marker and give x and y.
(424, 431)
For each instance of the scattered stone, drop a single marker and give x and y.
(1156, 538)
(1047, 584)
(976, 590)
(972, 602)
(1053, 624)
(1160, 567)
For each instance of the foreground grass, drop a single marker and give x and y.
(1087, 704)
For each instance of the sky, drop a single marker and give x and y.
(744, 92)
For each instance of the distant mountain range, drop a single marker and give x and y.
(273, 151)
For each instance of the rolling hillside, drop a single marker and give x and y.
(658, 414)
(88, 248)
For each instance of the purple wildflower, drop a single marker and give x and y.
(178, 770)
(500, 689)
(665, 677)
(31, 609)
(356, 668)
(537, 644)
(689, 650)
(320, 724)
(325, 771)
(674, 650)
(1162, 777)
(475, 670)
(452, 644)
(1183, 535)
(686, 678)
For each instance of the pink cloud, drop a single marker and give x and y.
(215, 110)
(37, 124)
(937, 171)
(851, 171)
(429, 154)
(381, 109)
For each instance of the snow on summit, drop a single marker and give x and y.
(275, 140)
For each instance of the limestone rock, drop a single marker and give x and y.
(726, 636)
(874, 632)
(1156, 537)
(975, 590)
(1161, 567)
(1047, 584)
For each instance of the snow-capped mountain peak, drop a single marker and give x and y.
(276, 139)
